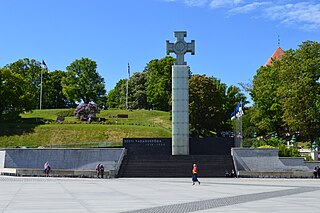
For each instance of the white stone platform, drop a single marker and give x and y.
(219, 195)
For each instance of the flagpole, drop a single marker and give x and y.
(40, 89)
(238, 113)
(240, 123)
(41, 75)
(127, 87)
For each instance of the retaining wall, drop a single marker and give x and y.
(61, 159)
(266, 163)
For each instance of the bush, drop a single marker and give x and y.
(266, 147)
(247, 142)
(273, 143)
(288, 152)
(308, 158)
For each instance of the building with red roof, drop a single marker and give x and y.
(277, 55)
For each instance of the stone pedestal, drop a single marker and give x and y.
(180, 110)
(314, 154)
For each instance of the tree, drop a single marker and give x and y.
(286, 94)
(83, 82)
(205, 105)
(211, 103)
(31, 71)
(268, 111)
(117, 96)
(299, 89)
(159, 83)
(14, 98)
(233, 96)
(137, 91)
(53, 97)
(250, 129)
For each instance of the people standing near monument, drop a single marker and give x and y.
(46, 168)
(98, 170)
(195, 174)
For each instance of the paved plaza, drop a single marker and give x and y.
(39, 194)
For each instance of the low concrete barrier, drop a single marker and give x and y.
(55, 173)
(253, 162)
(276, 174)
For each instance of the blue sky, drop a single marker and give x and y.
(233, 37)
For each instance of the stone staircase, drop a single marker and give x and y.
(175, 166)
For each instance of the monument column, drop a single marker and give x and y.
(180, 94)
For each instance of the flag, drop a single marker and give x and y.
(238, 112)
(233, 115)
(129, 70)
(44, 64)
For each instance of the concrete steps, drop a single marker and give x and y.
(174, 166)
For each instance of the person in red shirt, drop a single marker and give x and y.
(195, 174)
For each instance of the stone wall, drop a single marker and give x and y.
(264, 160)
(163, 146)
(69, 159)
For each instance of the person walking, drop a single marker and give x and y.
(195, 174)
(46, 168)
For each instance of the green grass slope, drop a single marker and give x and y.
(39, 128)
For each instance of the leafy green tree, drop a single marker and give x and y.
(117, 96)
(53, 97)
(137, 91)
(286, 94)
(299, 89)
(14, 98)
(83, 82)
(250, 130)
(233, 96)
(159, 83)
(268, 111)
(206, 101)
(30, 70)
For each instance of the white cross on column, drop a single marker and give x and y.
(180, 47)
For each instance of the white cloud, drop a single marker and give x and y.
(196, 3)
(303, 15)
(248, 7)
(224, 3)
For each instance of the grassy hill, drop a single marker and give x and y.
(39, 128)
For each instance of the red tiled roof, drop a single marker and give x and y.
(277, 55)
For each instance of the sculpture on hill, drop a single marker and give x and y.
(86, 111)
